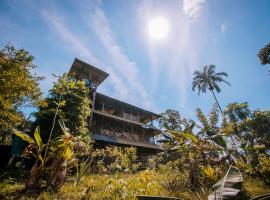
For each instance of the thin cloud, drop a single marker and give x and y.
(123, 74)
(192, 8)
(122, 64)
(222, 28)
(178, 56)
(75, 43)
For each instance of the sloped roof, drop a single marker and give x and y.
(116, 140)
(83, 70)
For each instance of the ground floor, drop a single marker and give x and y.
(143, 153)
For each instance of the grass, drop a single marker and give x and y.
(100, 187)
(255, 188)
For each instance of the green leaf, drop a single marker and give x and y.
(178, 135)
(229, 187)
(255, 147)
(38, 138)
(190, 136)
(24, 136)
(219, 140)
(41, 159)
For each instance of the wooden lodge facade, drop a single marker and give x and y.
(114, 122)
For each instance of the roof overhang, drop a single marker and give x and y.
(82, 70)
(116, 140)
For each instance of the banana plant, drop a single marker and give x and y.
(60, 152)
(34, 142)
(36, 148)
(229, 187)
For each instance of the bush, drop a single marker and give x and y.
(264, 168)
(116, 159)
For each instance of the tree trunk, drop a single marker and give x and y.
(34, 179)
(233, 142)
(58, 171)
(217, 101)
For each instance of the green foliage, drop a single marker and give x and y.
(264, 54)
(116, 159)
(72, 99)
(264, 168)
(170, 120)
(60, 155)
(144, 184)
(207, 80)
(250, 130)
(92, 187)
(18, 87)
(34, 143)
(210, 172)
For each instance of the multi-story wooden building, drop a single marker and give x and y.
(115, 122)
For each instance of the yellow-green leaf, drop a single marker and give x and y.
(24, 136)
(41, 159)
(190, 136)
(38, 138)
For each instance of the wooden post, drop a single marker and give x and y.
(102, 123)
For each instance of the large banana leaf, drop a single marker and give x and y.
(229, 187)
(24, 136)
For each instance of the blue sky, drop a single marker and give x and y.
(156, 75)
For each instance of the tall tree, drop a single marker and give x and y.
(170, 120)
(18, 87)
(207, 80)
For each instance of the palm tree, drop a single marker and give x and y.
(208, 79)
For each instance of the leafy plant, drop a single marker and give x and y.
(144, 184)
(210, 172)
(202, 193)
(229, 186)
(60, 153)
(264, 167)
(36, 148)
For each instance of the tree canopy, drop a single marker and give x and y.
(264, 55)
(208, 79)
(72, 96)
(18, 85)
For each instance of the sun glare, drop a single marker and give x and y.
(158, 28)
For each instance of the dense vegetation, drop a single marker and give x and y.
(56, 158)
(18, 88)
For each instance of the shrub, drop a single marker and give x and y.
(264, 167)
(115, 159)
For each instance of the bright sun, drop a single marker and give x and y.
(158, 28)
